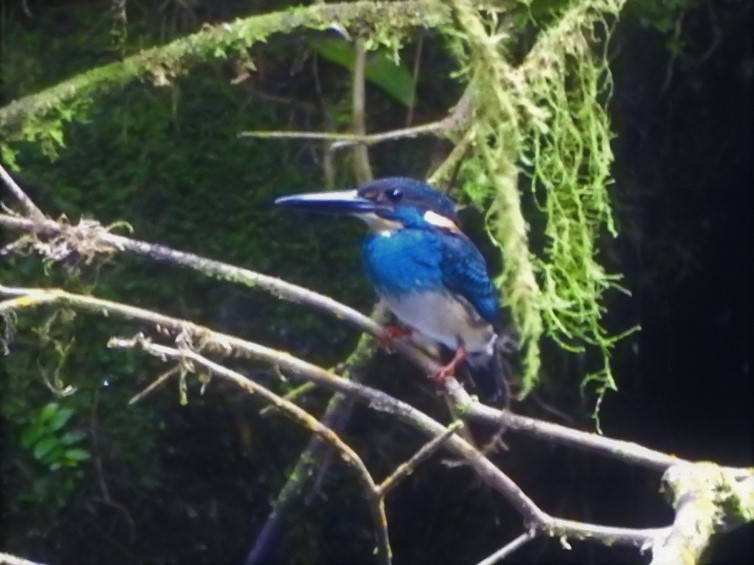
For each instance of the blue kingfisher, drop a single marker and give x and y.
(429, 274)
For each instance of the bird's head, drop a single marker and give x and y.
(386, 205)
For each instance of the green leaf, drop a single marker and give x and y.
(44, 446)
(59, 420)
(8, 157)
(48, 411)
(55, 454)
(77, 454)
(381, 70)
(69, 438)
(31, 434)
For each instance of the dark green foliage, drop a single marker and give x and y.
(168, 161)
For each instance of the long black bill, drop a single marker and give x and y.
(337, 202)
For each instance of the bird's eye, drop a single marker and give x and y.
(394, 194)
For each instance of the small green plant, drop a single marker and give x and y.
(51, 443)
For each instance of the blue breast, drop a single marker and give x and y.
(416, 260)
(406, 261)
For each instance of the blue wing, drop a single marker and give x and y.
(465, 273)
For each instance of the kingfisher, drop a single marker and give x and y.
(429, 274)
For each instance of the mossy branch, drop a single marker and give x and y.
(160, 65)
(708, 499)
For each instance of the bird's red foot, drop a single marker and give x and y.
(449, 370)
(392, 333)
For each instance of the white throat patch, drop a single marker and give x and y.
(380, 226)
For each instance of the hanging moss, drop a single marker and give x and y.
(568, 145)
(546, 119)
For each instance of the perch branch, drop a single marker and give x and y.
(626, 451)
(533, 517)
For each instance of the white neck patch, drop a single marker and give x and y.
(440, 221)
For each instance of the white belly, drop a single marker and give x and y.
(444, 318)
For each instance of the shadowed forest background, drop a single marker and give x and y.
(161, 482)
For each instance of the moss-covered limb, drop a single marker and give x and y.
(162, 63)
(494, 173)
(708, 499)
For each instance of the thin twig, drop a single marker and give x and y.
(456, 120)
(294, 394)
(209, 267)
(509, 548)
(445, 171)
(153, 385)
(348, 455)
(405, 469)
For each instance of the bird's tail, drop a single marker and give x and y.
(490, 372)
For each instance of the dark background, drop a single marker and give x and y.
(194, 484)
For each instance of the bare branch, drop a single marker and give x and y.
(316, 453)
(627, 451)
(227, 344)
(20, 195)
(8, 559)
(153, 385)
(209, 267)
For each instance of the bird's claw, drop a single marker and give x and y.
(391, 333)
(449, 370)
